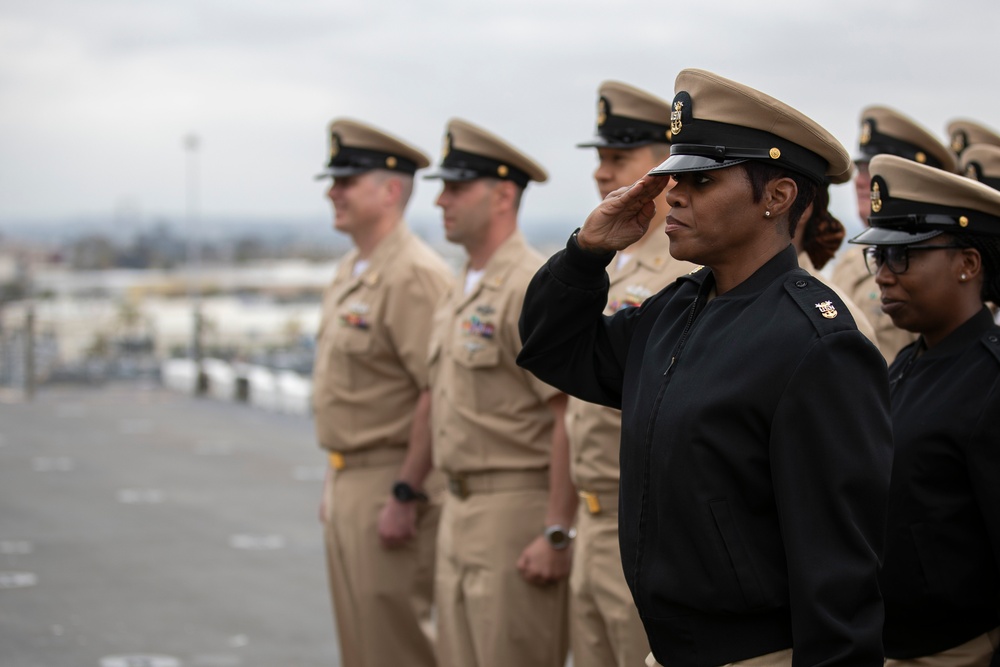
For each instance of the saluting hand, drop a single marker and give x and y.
(540, 564)
(397, 523)
(623, 217)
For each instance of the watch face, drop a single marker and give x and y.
(558, 537)
(402, 492)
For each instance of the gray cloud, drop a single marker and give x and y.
(95, 97)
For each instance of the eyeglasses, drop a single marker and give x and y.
(896, 257)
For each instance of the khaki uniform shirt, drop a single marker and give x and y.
(851, 275)
(488, 413)
(371, 353)
(594, 430)
(860, 318)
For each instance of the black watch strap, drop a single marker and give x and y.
(405, 493)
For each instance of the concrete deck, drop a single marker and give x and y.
(145, 528)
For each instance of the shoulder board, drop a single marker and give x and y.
(820, 304)
(991, 339)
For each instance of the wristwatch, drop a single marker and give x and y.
(405, 493)
(558, 536)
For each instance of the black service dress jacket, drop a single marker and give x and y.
(755, 455)
(941, 577)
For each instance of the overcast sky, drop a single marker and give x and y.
(96, 95)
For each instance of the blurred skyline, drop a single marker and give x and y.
(96, 97)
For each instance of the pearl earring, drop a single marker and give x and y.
(767, 214)
(963, 277)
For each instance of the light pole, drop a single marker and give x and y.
(191, 145)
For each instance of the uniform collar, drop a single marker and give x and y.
(499, 265)
(965, 335)
(385, 252)
(773, 269)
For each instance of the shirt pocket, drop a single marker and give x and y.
(351, 349)
(476, 381)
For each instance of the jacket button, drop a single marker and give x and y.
(992, 339)
(800, 283)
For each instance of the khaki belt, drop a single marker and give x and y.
(367, 457)
(597, 502)
(464, 484)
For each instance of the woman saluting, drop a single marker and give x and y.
(756, 442)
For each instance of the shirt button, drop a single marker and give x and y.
(800, 283)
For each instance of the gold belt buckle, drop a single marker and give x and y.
(336, 460)
(592, 502)
(458, 485)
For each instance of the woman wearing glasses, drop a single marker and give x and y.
(934, 247)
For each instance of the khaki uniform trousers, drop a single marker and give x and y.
(381, 597)
(605, 629)
(977, 652)
(488, 615)
(782, 658)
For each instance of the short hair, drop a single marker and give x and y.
(518, 190)
(759, 174)
(405, 184)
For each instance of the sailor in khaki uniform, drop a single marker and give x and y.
(633, 136)
(982, 163)
(503, 546)
(380, 509)
(884, 130)
(963, 133)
